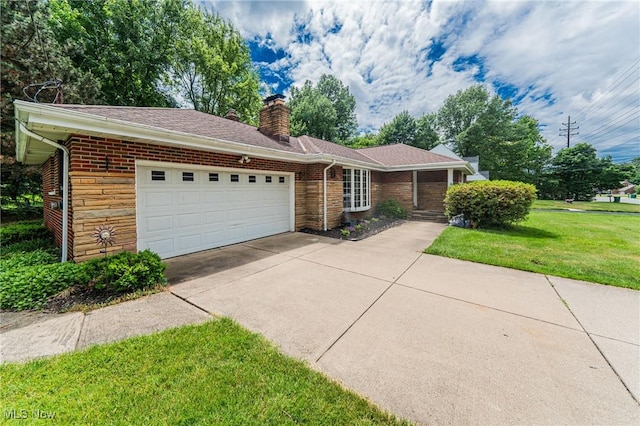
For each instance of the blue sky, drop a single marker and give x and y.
(553, 59)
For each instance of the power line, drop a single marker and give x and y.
(628, 114)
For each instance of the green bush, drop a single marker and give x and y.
(31, 258)
(30, 245)
(28, 287)
(126, 271)
(23, 231)
(391, 209)
(490, 203)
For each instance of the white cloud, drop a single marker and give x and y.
(571, 51)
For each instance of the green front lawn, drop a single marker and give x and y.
(215, 373)
(593, 247)
(587, 205)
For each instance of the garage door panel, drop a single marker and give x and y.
(157, 223)
(177, 217)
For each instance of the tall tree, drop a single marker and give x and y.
(326, 111)
(474, 123)
(577, 170)
(212, 66)
(402, 129)
(30, 55)
(124, 45)
(426, 131)
(344, 104)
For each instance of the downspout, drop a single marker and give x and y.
(65, 192)
(324, 194)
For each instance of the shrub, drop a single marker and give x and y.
(23, 231)
(28, 287)
(392, 209)
(30, 245)
(126, 271)
(490, 203)
(31, 258)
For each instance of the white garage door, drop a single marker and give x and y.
(182, 211)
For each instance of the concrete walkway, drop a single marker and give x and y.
(431, 339)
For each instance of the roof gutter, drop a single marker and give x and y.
(324, 193)
(65, 192)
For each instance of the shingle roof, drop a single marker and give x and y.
(320, 146)
(189, 121)
(198, 123)
(403, 155)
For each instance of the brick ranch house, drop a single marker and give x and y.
(178, 181)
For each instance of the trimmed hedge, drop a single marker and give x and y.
(391, 209)
(490, 203)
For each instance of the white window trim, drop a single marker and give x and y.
(363, 182)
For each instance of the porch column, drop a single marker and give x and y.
(449, 177)
(415, 189)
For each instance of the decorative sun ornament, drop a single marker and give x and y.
(105, 235)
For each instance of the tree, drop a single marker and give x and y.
(163, 53)
(426, 131)
(344, 104)
(474, 123)
(211, 67)
(402, 129)
(577, 170)
(326, 111)
(366, 140)
(31, 54)
(125, 45)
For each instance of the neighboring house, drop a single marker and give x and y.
(627, 188)
(473, 162)
(178, 181)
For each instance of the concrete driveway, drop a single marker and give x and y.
(431, 339)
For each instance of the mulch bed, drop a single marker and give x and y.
(78, 296)
(369, 228)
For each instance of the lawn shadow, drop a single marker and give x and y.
(523, 231)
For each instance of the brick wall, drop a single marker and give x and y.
(107, 195)
(398, 186)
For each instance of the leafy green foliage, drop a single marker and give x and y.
(490, 203)
(31, 54)
(391, 209)
(32, 258)
(577, 173)
(30, 245)
(326, 111)
(405, 129)
(126, 271)
(475, 123)
(23, 231)
(211, 67)
(28, 287)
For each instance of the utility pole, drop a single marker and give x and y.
(568, 129)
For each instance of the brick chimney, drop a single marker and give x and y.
(274, 118)
(232, 115)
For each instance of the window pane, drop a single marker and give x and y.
(235, 178)
(187, 176)
(156, 175)
(346, 188)
(213, 177)
(357, 189)
(252, 179)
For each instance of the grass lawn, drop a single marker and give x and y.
(215, 373)
(586, 205)
(593, 247)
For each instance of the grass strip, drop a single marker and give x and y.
(599, 248)
(216, 373)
